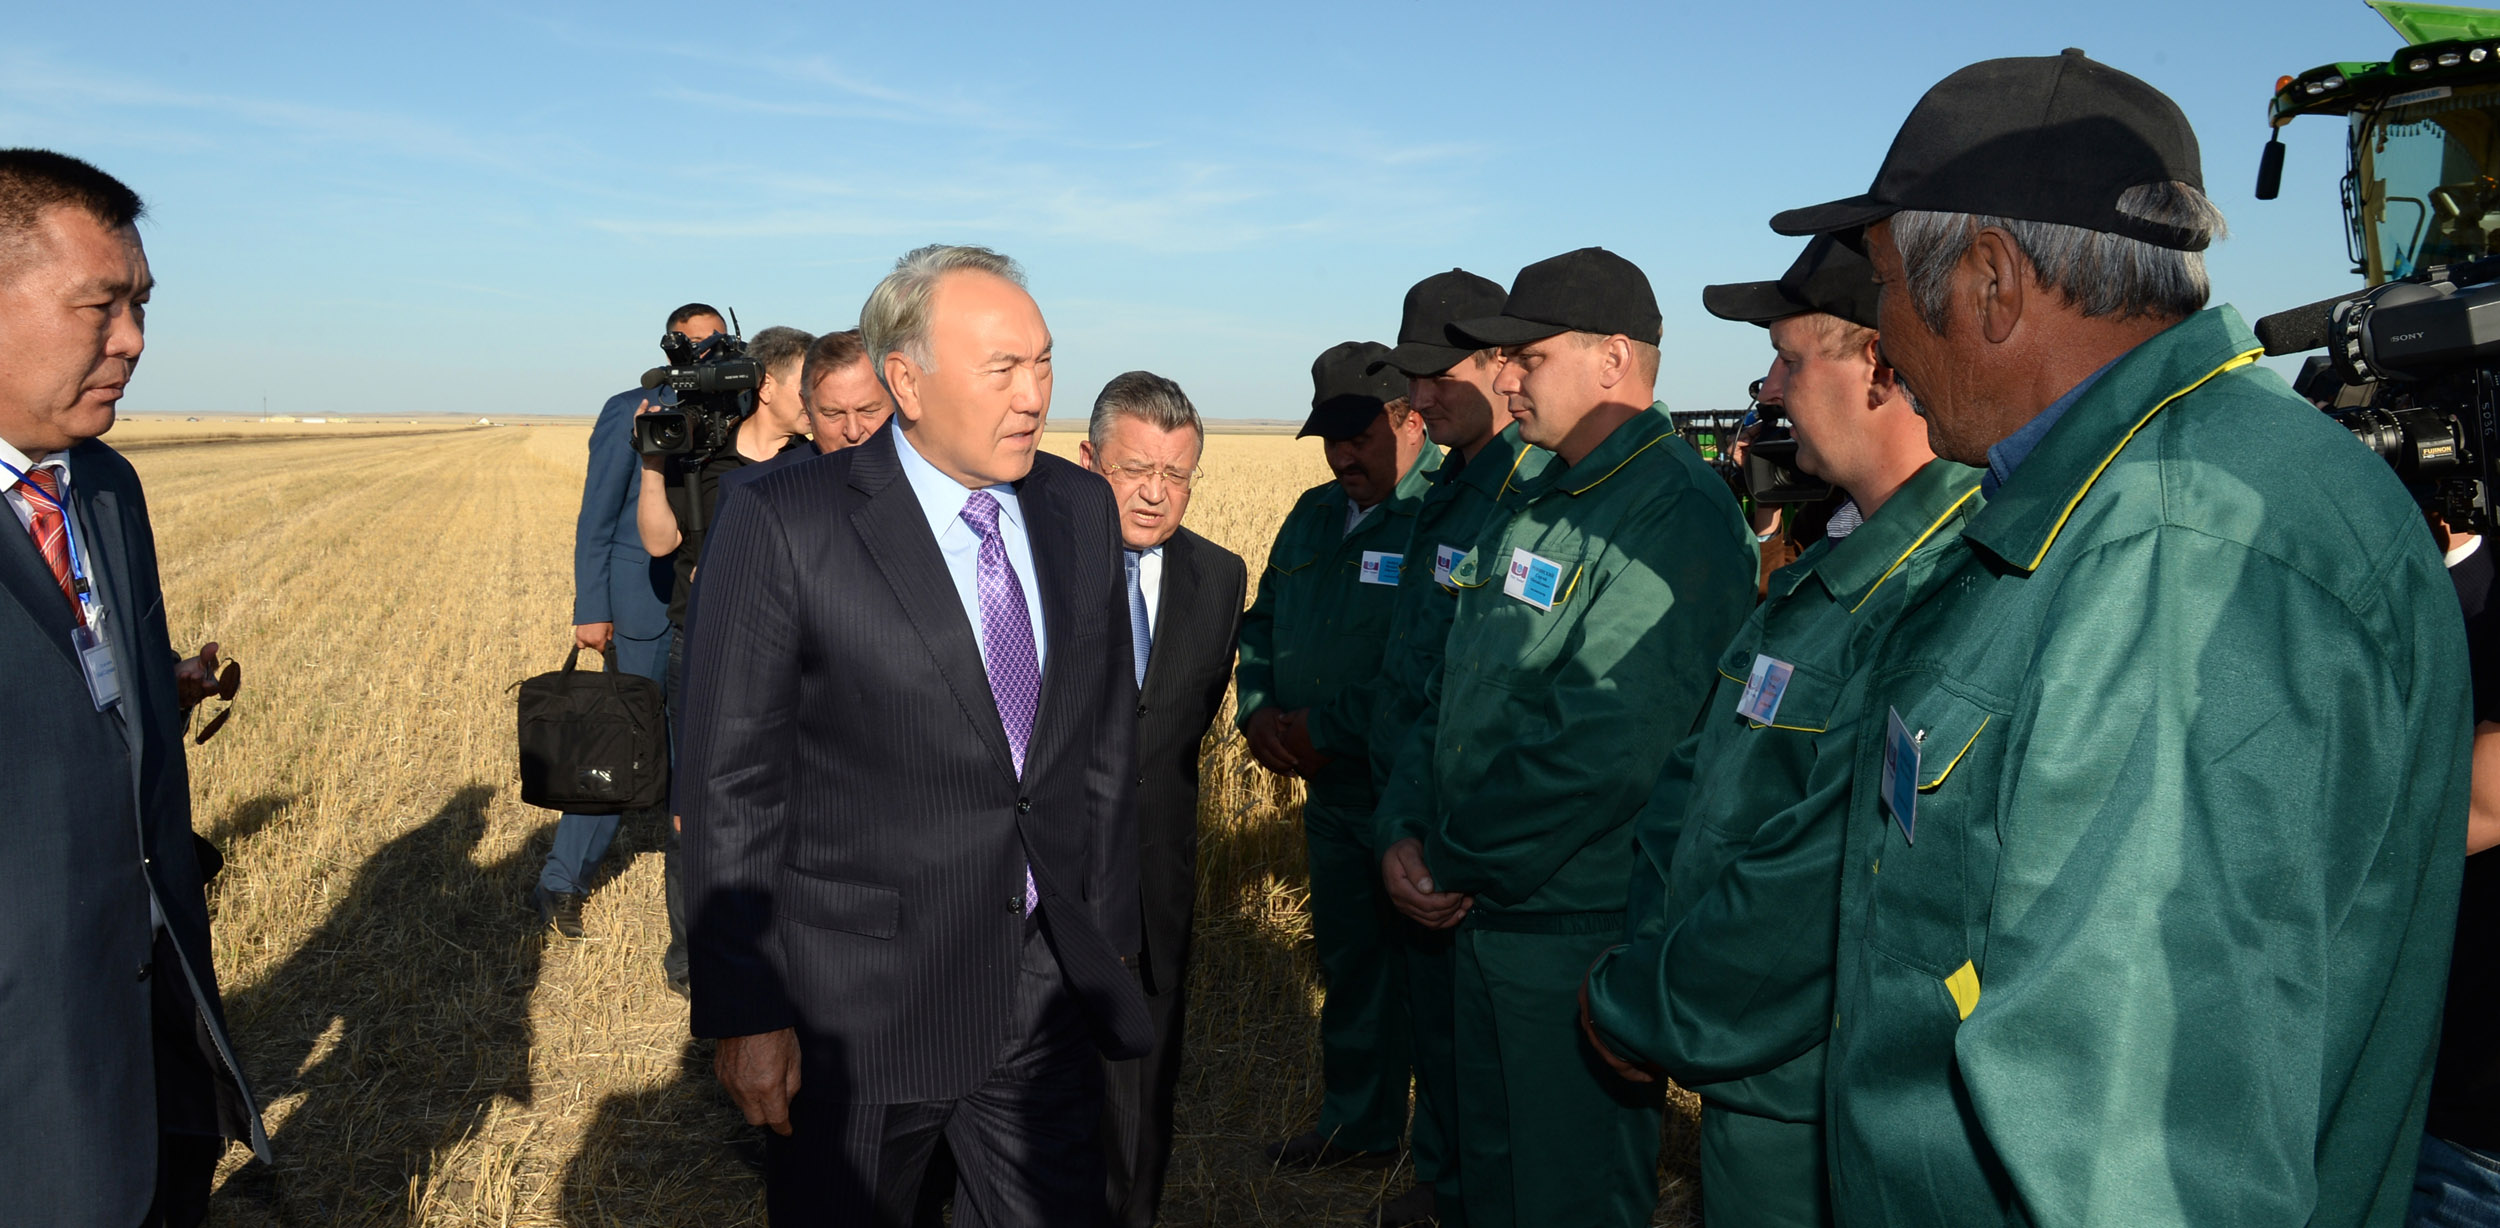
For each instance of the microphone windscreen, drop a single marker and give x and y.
(657, 376)
(2301, 328)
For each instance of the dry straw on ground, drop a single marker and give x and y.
(426, 1056)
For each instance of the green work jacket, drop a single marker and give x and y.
(1313, 637)
(1461, 498)
(2167, 938)
(1548, 726)
(1726, 976)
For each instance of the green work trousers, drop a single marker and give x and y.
(1364, 1041)
(1431, 1009)
(1760, 1172)
(1547, 1135)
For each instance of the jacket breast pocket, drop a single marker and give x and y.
(832, 904)
(1934, 873)
(1528, 624)
(1762, 691)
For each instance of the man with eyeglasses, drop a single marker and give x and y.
(1310, 664)
(1184, 602)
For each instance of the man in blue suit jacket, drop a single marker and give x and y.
(119, 1090)
(620, 607)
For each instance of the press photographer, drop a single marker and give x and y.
(728, 415)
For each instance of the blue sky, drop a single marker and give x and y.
(480, 208)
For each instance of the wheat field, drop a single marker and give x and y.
(425, 1055)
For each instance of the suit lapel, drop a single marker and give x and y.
(895, 531)
(99, 509)
(1179, 591)
(1048, 529)
(27, 579)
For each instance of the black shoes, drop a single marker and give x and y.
(1311, 1150)
(560, 911)
(1416, 1208)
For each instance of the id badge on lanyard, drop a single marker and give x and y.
(86, 642)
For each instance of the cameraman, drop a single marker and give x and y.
(680, 495)
(2457, 1180)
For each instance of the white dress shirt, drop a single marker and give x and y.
(1150, 583)
(942, 500)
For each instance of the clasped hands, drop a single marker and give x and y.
(1410, 888)
(1281, 742)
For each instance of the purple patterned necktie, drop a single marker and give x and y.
(1007, 649)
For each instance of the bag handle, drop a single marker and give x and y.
(574, 657)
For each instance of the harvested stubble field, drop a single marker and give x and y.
(426, 1056)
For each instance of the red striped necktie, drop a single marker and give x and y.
(51, 532)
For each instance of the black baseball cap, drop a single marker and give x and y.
(1426, 344)
(1591, 290)
(1828, 276)
(1350, 382)
(2038, 139)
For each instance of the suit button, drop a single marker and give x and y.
(1141, 780)
(1015, 904)
(1024, 805)
(1141, 709)
(146, 970)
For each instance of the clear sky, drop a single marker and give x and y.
(468, 207)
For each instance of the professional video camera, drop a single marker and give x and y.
(715, 383)
(2412, 369)
(1770, 473)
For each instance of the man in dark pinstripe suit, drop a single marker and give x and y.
(911, 855)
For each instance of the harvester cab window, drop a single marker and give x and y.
(2430, 165)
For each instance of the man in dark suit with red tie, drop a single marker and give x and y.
(1184, 604)
(906, 765)
(118, 1087)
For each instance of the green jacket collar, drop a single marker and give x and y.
(1852, 568)
(2022, 519)
(1493, 468)
(1638, 434)
(1417, 479)
(1404, 497)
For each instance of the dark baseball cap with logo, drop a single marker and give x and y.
(1828, 277)
(1591, 290)
(1426, 344)
(1350, 383)
(2037, 139)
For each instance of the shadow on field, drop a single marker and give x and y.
(249, 816)
(388, 1036)
(669, 1155)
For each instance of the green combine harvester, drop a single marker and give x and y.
(2420, 186)
(2412, 362)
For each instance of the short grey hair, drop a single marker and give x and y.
(778, 346)
(895, 319)
(2103, 274)
(1147, 397)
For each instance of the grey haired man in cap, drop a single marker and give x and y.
(2150, 878)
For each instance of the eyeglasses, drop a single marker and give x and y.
(229, 681)
(1136, 473)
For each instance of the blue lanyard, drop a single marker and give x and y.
(69, 533)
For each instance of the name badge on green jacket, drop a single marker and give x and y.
(1900, 773)
(1769, 681)
(1445, 557)
(1533, 578)
(1381, 567)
